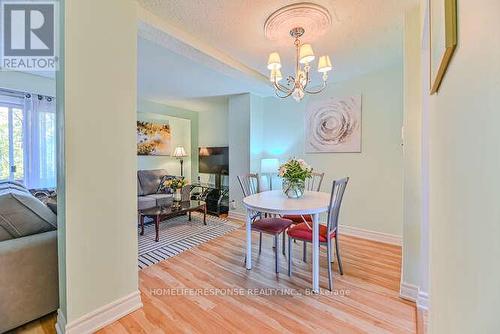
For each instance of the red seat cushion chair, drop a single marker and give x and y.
(297, 219)
(271, 225)
(304, 232)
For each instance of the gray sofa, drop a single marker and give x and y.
(28, 258)
(148, 196)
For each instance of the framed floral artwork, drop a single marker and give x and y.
(153, 138)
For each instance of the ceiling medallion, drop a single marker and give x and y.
(315, 19)
(297, 19)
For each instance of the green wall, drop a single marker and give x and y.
(412, 165)
(465, 179)
(96, 96)
(149, 107)
(180, 130)
(373, 199)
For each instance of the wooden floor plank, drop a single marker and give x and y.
(208, 290)
(366, 300)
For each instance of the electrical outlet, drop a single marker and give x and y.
(232, 205)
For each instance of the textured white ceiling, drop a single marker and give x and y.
(365, 34)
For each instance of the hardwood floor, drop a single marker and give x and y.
(44, 325)
(208, 290)
(366, 299)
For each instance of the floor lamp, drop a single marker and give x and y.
(269, 167)
(180, 153)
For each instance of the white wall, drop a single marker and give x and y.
(26, 82)
(373, 198)
(465, 179)
(180, 130)
(97, 99)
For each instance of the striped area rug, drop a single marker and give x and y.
(177, 235)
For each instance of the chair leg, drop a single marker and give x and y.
(284, 241)
(276, 253)
(290, 256)
(260, 242)
(329, 257)
(338, 255)
(304, 251)
(330, 248)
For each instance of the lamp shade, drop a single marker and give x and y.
(274, 61)
(269, 166)
(275, 75)
(204, 152)
(179, 152)
(306, 54)
(324, 64)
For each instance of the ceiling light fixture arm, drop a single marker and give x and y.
(296, 86)
(280, 88)
(319, 90)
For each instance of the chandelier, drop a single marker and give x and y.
(297, 85)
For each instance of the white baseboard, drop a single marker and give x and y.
(423, 300)
(61, 322)
(371, 235)
(103, 316)
(237, 216)
(413, 293)
(408, 291)
(344, 229)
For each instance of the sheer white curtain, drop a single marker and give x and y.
(40, 142)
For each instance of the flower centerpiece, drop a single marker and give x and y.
(176, 184)
(294, 173)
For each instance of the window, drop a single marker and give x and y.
(27, 139)
(11, 141)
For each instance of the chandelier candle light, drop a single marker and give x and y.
(296, 86)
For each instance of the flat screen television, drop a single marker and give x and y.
(214, 160)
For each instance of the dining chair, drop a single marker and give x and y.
(304, 233)
(312, 184)
(264, 225)
(249, 183)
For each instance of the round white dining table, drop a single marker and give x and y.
(276, 203)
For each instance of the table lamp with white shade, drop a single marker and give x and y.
(269, 167)
(180, 153)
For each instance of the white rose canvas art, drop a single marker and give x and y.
(333, 125)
